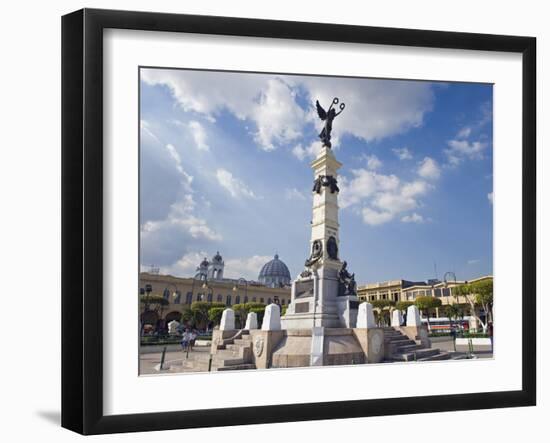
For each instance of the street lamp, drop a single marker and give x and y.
(236, 286)
(145, 291)
(175, 293)
(209, 289)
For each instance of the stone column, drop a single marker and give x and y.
(228, 320)
(251, 321)
(413, 316)
(396, 318)
(365, 316)
(272, 318)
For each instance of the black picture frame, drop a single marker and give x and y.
(82, 218)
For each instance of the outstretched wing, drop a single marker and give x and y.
(322, 113)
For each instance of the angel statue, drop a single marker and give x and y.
(328, 117)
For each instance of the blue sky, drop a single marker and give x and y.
(225, 157)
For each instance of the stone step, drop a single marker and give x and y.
(398, 338)
(407, 348)
(243, 341)
(230, 362)
(225, 353)
(238, 367)
(398, 343)
(441, 356)
(416, 355)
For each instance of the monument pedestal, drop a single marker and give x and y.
(315, 301)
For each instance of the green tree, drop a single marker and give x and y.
(454, 312)
(478, 294)
(154, 303)
(197, 315)
(382, 308)
(403, 305)
(242, 310)
(215, 315)
(426, 304)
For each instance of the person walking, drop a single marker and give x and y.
(185, 339)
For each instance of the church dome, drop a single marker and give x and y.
(274, 273)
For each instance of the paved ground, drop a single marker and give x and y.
(197, 360)
(446, 344)
(175, 361)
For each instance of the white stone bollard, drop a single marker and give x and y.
(365, 316)
(228, 320)
(272, 318)
(251, 321)
(413, 316)
(396, 318)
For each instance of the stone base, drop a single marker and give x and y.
(340, 347)
(310, 320)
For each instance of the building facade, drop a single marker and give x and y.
(404, 290)
(209, 285)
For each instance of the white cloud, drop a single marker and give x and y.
(373, 217)
(429, 169)
(382, 197)
(248, 268)
(462, 149)
(363, 185)
(413, 218)
(375, 108)
(277, 115)
(402, 153)
(186, 178)
(490, 197)
(464, 132)
(294, 194)
(199, 135)
(373, 162)
(145, 127)
(310, 151)
(181, 216)
(233, 185)
(185, 266)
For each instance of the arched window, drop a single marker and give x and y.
(228, 301)
(246, 299)
(237, 299)
(253, 299)
(220, 298)
(166, 294)
(177, 300)
(188, 298)
(261, 300)
(269, 301)
(210, 298)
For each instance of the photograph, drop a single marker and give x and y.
(290, 221)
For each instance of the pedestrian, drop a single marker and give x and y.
(185, 338)
(192, 338)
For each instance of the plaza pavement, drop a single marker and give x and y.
(178, 361)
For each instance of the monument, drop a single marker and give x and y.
(324, 294)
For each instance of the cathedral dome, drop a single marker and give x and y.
(274, 273)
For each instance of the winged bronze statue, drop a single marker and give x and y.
(328, 117)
